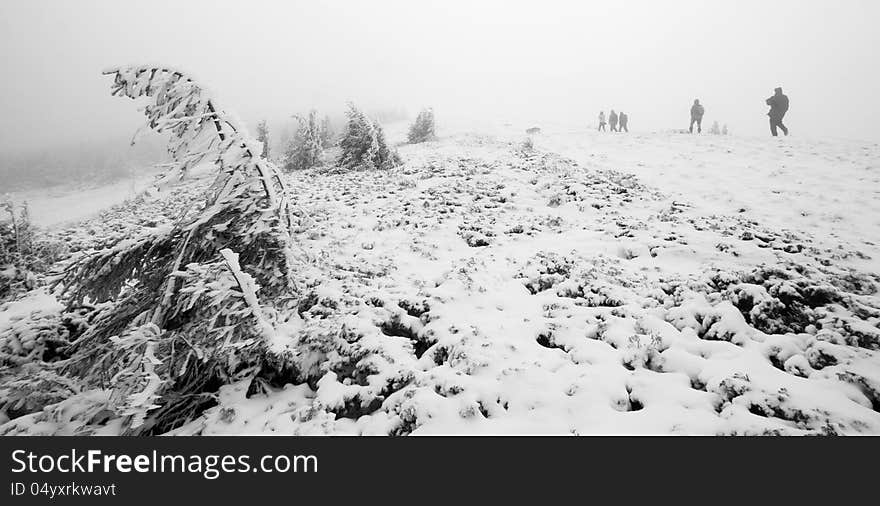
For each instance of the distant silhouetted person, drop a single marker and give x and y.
(623, 118)
(696, 116)
(724, 130)
(612, 121)
(778, 107)
(601, 120)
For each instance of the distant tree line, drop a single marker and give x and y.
(361, 144)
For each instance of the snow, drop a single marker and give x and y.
(644, 283)
(62, 205)
(818, 187)
(35, 302)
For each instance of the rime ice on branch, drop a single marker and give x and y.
(186, 308)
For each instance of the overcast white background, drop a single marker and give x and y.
(531, 61)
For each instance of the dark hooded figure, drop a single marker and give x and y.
(612, 120)
(696, 116)
(778, 107)
(622, 118)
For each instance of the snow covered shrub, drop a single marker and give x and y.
(182, 314)
(33, 343)
(644, 351)
(41, 336)
(363, 144)
(307, 146)
(423, 128)
(33, 391)
(544, 271)
(776, 300)
(23, 254)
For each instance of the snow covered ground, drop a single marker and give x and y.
(631, 284)
(57, 206)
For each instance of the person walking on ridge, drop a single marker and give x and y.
(778, 107)
(697, 111)
(623, 118)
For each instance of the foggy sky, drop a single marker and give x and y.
(528, 61)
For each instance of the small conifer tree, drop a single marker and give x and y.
(423, 128)
(363, 144)
(263, 136)
(306, 148)
(23, 254)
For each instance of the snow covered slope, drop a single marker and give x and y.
(635, 284)
(60, 205)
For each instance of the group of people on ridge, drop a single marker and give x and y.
(778, 107)
(614, 119)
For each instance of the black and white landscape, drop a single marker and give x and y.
(430, 234)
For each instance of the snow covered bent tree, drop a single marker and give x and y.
(178, 308)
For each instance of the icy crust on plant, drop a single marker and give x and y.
(485, 287)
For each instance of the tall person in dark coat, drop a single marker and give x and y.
(778, 107)
(612, 120)
(697, 111)
(622, 118)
